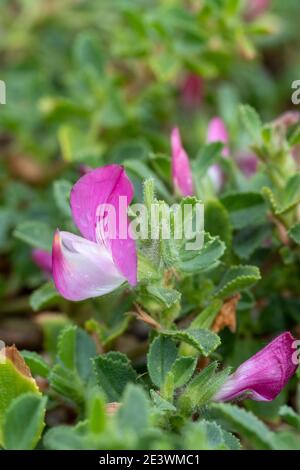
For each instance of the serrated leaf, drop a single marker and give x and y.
(43, 296)
(183, 369)
(208, 435)
(35, 233)
(205, 341)
(167, 297)
(193, 261)
(202, 388)
(36, 363)
(237, 279)
(252, 122)
(162, 354)
(294, 233)
(160, 403)
(73, 369)
(287, 199)
(113, 372)
(244, 422)
(24, 422)
(290, 416)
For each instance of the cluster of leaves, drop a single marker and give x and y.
(141, 371)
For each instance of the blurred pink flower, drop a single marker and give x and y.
(181, 170)
(43, 259)
(247, 163)
(263, 376)
(217, 132)
(256, 8)
(192, 91)
(97, 263)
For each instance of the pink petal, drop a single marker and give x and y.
(82, 269)
(43, 259)
(256, 8)
(217, 132)
(181, 170)
(99, 187)
(263, 376)
(247, 164)
(192, 91)
(217, 176)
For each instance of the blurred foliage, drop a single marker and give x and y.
(90, 83)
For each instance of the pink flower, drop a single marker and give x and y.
(263, 376)
(217, 132)
(247, 163)
(98, 262)
(192, 91)
(43, 259)
(181, 170)
(256, 8)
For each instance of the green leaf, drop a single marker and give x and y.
(237, 279)
(294, 233)
(288, 199)
(96, 413)
(113, 372)
(183, 369)
(44, 296)
(138, 168)
(24, 422)
(289, 416)
(205, 341)
(134, 413)
(162, 354)
(245, 208)
(35, 233)
(252, 122)
(160, 403)
(202, 388)
(208, 435)
(166, 297)
(193, 261)
(66, 438)
(36, 363)
(206, 318)
(73, 368)
(246, 423)
(217, 222)
(15, 380)
(206, 157)
(61, 193)
(249, 239)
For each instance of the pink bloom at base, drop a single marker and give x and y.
(181, 170)
(263, 376)
(96, 263)
(43, 259)
(217, 132)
